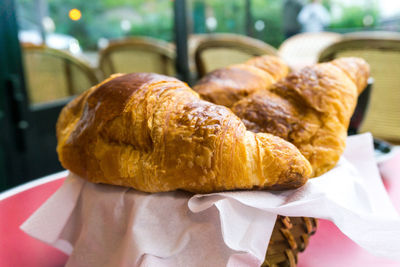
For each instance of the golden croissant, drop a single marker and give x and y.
(228, 85)
(154, 133)
(310, 108)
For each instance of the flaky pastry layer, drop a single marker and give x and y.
(155, 134)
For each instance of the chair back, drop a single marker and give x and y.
(304, 48)
(382, 51)
(213, 51)
(53, 74)
(138, 54)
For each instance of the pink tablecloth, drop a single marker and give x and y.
(328, 247)
(16, 247)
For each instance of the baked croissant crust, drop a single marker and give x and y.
(154, 133)
(228, 85)
(310, 108)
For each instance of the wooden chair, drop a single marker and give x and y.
(213, 51)
(382, 51)
(304, 48)
(138, 54)
(54, 74)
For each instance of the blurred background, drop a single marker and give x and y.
(85, 26)
(52, 50)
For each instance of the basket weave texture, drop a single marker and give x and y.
(289, 237)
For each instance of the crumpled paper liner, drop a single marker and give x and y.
(104, 225)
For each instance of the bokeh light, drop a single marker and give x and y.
(75, 14)
(259, 25)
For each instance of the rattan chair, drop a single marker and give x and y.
(213, 51)
(138, 54)
(53, 74)
(382, 51)
(304, 48)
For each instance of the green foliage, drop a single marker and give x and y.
(230, 15)
(353, 17)
(80, 29)
(269, 11)
(156, 20)
(102, 18)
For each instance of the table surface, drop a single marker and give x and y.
(328, 246)
(16, 247)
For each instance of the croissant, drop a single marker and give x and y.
(310, 108)
(228, 85)
(155, 134)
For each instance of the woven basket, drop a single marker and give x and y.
(289, 237)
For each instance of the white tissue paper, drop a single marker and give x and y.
(104, 225)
